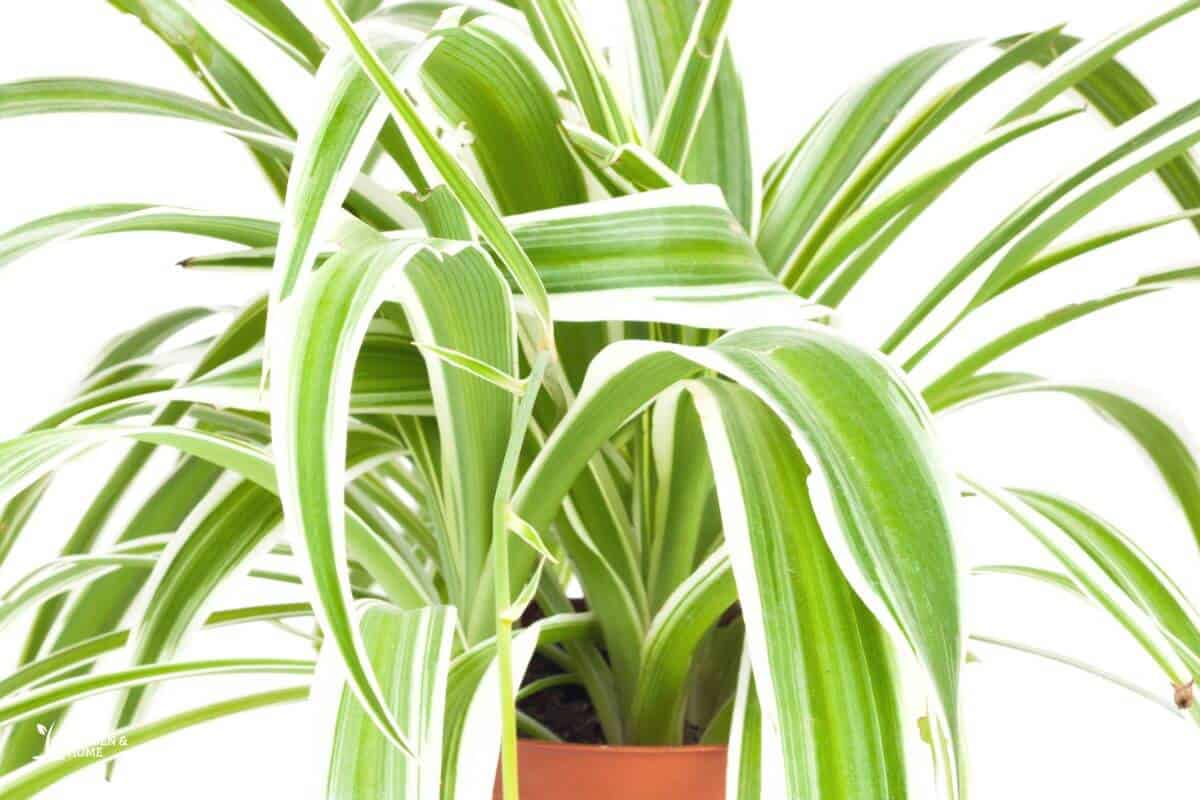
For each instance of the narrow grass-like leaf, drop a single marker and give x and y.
(410, 652)
(672, 640)
(692, 83)
(1094, 582)
(68, 94)
(1163, 445)
(743, 773)
(316, 346)
(1142, 140)
(529, 535)
(478, 207)
(861, 226)
(674, 255)
(473, 712)
(883, 160)
(720, 150)
(1119, 96)
(62, 574)
(64, 95)
(1079, 62)
(1158, 698)
(1017, 273)
(220, 72)
(683, 489)
(68, 659)
(485, 84)
(629, 162)
(1128, 566)
(1006, 342)
(277, 22)
(116, 218)
(474, 366)
(817, 652)
(810, 174)
(68, 691)
(330, 153)
(558, 29)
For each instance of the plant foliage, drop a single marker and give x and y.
(569, 337)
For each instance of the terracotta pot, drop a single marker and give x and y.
(551, 771)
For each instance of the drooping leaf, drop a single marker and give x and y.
(410, 652)
(1163, 445)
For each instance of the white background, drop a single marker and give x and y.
(1036, 729)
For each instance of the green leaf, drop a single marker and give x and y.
(1006, 342)
(276, 21)
(683, 490)
(66, 659)
(691, 85)
(60, 693)
(117, 218)
(824, 389)
(1147, 143)
(1128, 566)
(631, 163)
(218, 536)
(884, 160)
(811, 173)
(474, 366)
(63, 573)
(672, 641)
(410, 652)
(67, 95)
(100, 606)
(743, 773)
(817, 653)
(481, 211)
(1164, 446)
(228, 80)
(558, 29)
(861, 226)
(1158, 698)
(720, 150)
(241, 333)
(1016, 274)
(529, 535)
(674, 255)
(484, 83)
(142, 340)
(1118, 95)
(316, 345)
(1068, 70)
(1053, 225)
(1095, 583)
(472, 733)
(64, 95)
(329, 154)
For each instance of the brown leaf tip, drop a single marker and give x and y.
(1185, 694)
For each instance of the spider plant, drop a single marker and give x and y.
(526, 326)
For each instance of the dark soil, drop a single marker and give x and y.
(567, 710)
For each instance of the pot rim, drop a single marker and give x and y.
(697, 749)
